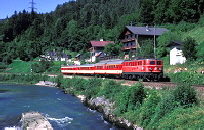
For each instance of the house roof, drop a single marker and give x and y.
(146, 30)
(173, 43)
(100, 43)
(57, 54)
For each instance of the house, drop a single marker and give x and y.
(56, 56)
(97, 49)
(132, 36)
(176, 55)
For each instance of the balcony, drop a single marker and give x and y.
(128, 47)
(127, 40)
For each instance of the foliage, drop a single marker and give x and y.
(74, 24)
(131, 98)
(185, 95)
(183, 119)
(189, 77)
(163, 41)
(189, 48)
(2, 66)
(166, 105)
(113, 49)
(147, 48)
(200, 52)
(23, 78)
(110, 88)
(42, 66)
(148, 108)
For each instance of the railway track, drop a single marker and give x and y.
(157, 85)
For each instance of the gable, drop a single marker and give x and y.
(100, 43)
(127, 33)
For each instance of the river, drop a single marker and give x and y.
(63, 111)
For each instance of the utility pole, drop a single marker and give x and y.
(154, 42)
(32, 6)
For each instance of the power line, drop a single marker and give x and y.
(32, 6)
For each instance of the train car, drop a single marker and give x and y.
(113, 67)
(146, 69)
(78, 69)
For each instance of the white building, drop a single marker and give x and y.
(176, 55)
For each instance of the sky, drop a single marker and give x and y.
(7, 7)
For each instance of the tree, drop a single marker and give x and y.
(163, 40)
(112, 49)
(189, 48)
(147, 48)
(200, 52)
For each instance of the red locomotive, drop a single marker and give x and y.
(146, 69)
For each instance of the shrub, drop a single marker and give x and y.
(185, 95)
(110, 88)
(148, 108)
(130, 99)
(93, 87)
(166, 105)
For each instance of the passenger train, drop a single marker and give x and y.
(145, 69)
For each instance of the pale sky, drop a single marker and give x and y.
(7, 7)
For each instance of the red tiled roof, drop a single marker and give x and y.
(100, 43)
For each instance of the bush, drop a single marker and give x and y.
(110, 88)
(166, 105)
(130, 99)
(93, 87)
(185, 95)
(148, 108)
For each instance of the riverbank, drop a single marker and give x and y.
(148, 108)
(136, 105)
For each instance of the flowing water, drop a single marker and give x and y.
(63, 111)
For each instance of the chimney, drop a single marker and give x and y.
(147, 28)
(101, 39)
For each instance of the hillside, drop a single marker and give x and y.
(196, 33)
(72, 25)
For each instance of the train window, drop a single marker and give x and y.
(152, 62)
(144, 62)
(158, 62)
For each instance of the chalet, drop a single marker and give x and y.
(97, 48)
(176, 55)
(132, 36)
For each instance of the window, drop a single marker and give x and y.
(133, 35)
(158, 62)
(152, 62)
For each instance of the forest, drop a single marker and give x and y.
(72, 25)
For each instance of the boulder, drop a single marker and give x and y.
(35, 121)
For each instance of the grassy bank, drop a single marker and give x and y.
(149, 108)
(23, 78)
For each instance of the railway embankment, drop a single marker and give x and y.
(136, 105)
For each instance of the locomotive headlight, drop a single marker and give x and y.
(150, 69)
(160, 68)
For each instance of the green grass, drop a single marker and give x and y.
(19, 66)
(196, 33)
